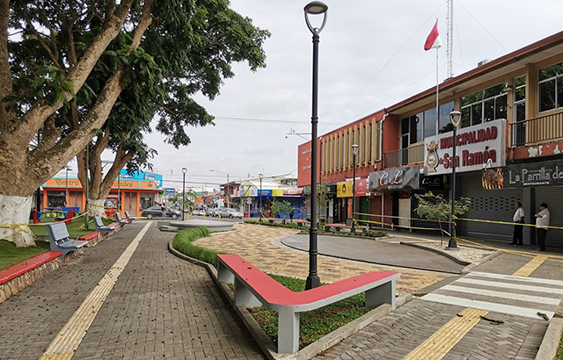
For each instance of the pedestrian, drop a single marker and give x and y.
(542, 222)
(163, 209)
(518, 218)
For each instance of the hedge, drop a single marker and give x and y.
(183, 243)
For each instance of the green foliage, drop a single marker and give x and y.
(322, 199)
(183, 243)
(281, 207)
(313, 324)
(435, 207)
(11, 255)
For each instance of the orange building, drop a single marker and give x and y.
(134, 194)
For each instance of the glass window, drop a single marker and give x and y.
(547, 95)
(520, 112)
(414, 129)
(486, 105)
(493, 91)
(466, 117)
(500, 107)
(476, 113)
(560, 91)
(489, 110)
(520, 89)
(445, 124)
(429, 123)
(405, 126)
(551, 71)
(419, 121)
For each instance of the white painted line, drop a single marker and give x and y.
(518, 278)
(503, 295)
(483, 305)
(509, 286)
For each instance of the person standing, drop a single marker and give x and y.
(518, 219)
(163, 209)
(542, 222)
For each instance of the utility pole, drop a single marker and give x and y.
(450, 38)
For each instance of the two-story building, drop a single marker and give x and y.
(509, 147)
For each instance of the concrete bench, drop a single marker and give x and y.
(254, 288)
(60, 239)
(101, 227)
(120, 220)
(128, 217)
(336, 227)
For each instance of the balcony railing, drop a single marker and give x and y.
(414, 154)
(537, 131)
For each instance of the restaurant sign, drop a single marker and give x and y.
(545, 173)
(395, 179)
(478, 146)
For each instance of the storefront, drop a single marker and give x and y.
(135, 195)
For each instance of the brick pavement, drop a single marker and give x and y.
(254, 243)
(400, 332)
(160, 307)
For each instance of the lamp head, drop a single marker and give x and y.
(355, 148)
(315, 8)
(260, 176)
(455, 117)
(184, 170)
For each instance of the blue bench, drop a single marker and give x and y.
(120, 220)
(60, 239)
(128, 217)
(101, 227)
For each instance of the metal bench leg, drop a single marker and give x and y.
(225, 275)
(383, 294)
(288, 332)
(245, 297)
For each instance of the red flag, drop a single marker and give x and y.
(433, 40)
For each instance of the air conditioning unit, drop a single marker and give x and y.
(483, 62)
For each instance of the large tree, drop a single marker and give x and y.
(47, 52)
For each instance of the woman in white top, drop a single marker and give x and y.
(518, 228)
(542, 222)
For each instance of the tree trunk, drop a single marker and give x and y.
(96, 207)
(14, 220)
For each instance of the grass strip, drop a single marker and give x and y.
(75, 229)
(11, 255)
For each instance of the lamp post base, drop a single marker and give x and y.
(312, 282)
(452, 245)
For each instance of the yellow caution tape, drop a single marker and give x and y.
(507, 223)
(403, 218)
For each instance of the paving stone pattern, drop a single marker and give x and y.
(400, 332)
(254, 243)
(165, 307)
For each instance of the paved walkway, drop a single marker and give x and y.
(262, 247)
(376, 251)
(160, 307)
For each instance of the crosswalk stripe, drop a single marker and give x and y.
(504, 295)
(445, 338)
(530, 266)
(510, 286)
(484, 305)
(517, 278)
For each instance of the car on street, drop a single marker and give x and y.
(198, 212)
(216, 211)
(156, 212)
(231, 213)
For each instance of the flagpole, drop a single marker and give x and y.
(437, 95)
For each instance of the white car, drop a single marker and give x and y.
(231, 213)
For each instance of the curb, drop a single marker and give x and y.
(470, 267)
(376, 263)
(310, 351)
(449, 256)
(550, 341)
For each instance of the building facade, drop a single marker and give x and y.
(509, 147)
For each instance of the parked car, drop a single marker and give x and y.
(209, 211)
(156, 211)
(198, 212)
(217, 211)
(231, 213)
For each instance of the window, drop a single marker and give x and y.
(486, 105)
(445, 124)
(520, 99)
(429, 123)
(370, 139)
(551, 87)
(363, 143)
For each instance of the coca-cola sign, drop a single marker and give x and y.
(395, 179)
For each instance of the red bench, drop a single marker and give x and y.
(25, 266)
(336, 227)
(68, 218)
(91, 236)
(255, 288)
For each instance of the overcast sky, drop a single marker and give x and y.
(371, 56)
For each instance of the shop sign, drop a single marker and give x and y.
(477, 146)
(395, 179)
(293, 192)
(431, 182)
(361, 187)
(344, 189)
(277, 192)
(545, 173)
(264, 193)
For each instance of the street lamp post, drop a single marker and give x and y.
(67, 169)
(455, 116)
(184, 170)
(260, 197)
(354, 153)
(314, 8)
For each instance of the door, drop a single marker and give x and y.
(496, 205)
(404, 212)
(553, 197)
(130, 203)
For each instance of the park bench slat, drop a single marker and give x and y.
(60, 239)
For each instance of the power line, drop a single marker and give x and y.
(477, 21)
(267, 121)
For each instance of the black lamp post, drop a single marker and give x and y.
(67, 169)
(260, 197)
(314, 8)
(354, 153)
(184, 171)
(455, 116)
